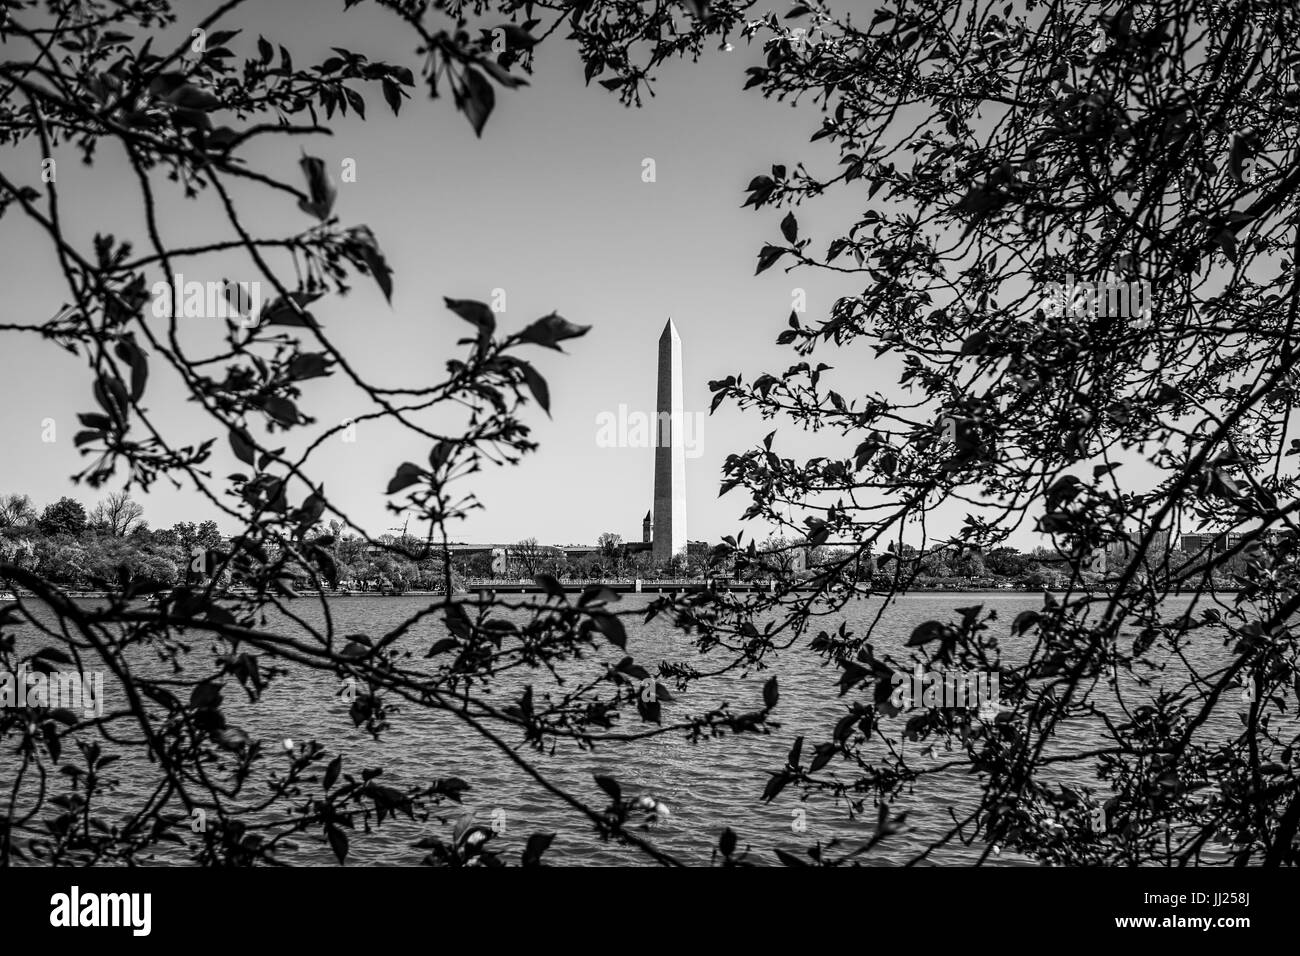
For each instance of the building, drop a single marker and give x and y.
(629, 548)
(1208, 542)
(663, 530)
(669, 514)
(1117, 553)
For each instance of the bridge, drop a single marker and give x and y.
(622, 586)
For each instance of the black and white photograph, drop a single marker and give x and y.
(617, 436)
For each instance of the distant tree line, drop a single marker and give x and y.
(113, 546)
(1040, 569)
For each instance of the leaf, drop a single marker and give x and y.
(796, 752)
(760, 188)
(727, 842)
(925, 633)
(363, 243)
(502, 75)
(439, 646)
(821, 757)
(476, 314)
(392, 95)
(355, 100)
(631, 669)
(598, 594)
(205, 696)
(440, 453)
(242, 444)
(977, 344)
(283, 410)
(552, 329)
(537, 844)
(95, 420)
(789, 227)
(338, 841)
(321, 191)
(1024, 621)
(789, 859)
(818, 530)
(289, 310)
(1228, 243)
(190, 97)
(407, 474)
(775, 785)
(308, 365)
(536, 384)
(768, 256)
(458, 621)
(853, 673)
(131, 353)
(475, 97)
(164, 84)
(517, 38)
(610, 786)
(52, 654)
(111, 395)
(332, 771)
(611, 627)
(551, 586)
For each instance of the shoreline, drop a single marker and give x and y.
(521, 588)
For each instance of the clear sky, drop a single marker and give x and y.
(548, 206)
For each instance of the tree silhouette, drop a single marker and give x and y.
(1075, 238)
(17, 511)
(117, 514)
(65, 516)
(92, 75)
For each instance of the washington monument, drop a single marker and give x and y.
(670, 454)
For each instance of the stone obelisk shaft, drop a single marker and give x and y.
(670, 453)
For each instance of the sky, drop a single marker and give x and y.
(549, 206)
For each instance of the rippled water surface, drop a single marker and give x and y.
(707, 785)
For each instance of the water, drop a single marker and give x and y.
(707, 785)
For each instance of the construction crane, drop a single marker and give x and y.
(404, 527)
